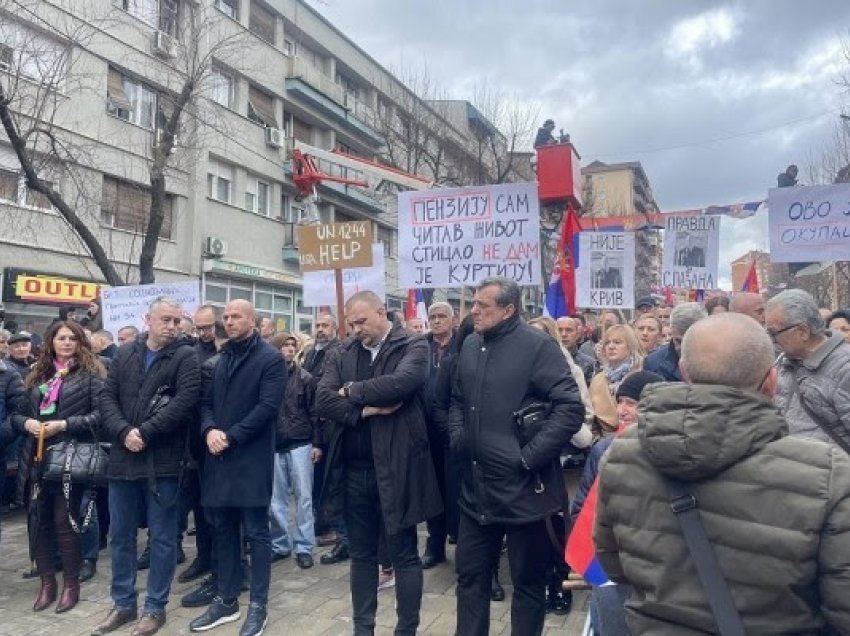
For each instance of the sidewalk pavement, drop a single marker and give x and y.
(301, 602)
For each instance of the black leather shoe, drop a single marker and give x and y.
(201, 596)
(218, 613)
(337, 555)
(115, 620)
(280, 556)
(88, 568)
(144, 561)
(432, 559)
(559, 602)
(195, 570)
(255, 622)
(304, 560)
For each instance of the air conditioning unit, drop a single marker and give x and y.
(215, 247)
(274, 137)
(164, 45)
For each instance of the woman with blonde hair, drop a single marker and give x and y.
(620, 355)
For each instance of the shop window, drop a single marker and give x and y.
(240, 293)
(263, 300)
(262, 22)
(126, 206)
(215, 294)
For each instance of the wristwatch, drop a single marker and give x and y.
(346, 389)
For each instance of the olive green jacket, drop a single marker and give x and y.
(775, 508)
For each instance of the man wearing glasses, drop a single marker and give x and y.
(814, 378)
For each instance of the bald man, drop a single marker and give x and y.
(720, 439)
(238, 417)
(749, 304)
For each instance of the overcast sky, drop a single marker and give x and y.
(714, 98)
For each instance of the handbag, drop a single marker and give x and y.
(78, 462)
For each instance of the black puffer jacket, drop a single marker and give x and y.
(126, 398)
(499, 372)
(11, 400)
(297, 424)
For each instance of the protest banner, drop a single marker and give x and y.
(605, 278)
(451, 237)
(691, 251)
(334, 246)
(809, 223)
(319, 286)
(128, 305)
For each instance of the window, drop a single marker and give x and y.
(302, 131)
(262, 22)
(291, 213)
(145, 10)
(385, 237)
(229, 8)
(290, 48)
(257, 196)
(222, 88)
(168, 17)
(126, 206)
(31, 55)
(13, 189)
(348, 85)
(261, 108)
(130, 100)
(220, 181)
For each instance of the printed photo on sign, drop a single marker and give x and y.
(605, 278)
(453, 237)
(691, 251)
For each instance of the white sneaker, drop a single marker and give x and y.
(386, 580)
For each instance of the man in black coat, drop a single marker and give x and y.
(512, 482)
(379, 465)
(11, 401)
(148, 401)
(238, 416)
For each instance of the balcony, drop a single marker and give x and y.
(309, 83)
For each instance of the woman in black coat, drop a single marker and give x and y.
(62, 395)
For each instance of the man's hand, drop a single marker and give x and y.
(369, 411)
(315, 455)
(217, 441)
(133, 442)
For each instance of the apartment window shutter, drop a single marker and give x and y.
(262, 107)
(115, 90)
(262, 22)
(9, 186)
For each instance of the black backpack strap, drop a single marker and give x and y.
(684, 506)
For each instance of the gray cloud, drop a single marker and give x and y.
(714, 98)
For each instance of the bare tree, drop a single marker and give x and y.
(52, 44)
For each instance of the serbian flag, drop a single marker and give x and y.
(580, 552)
(415, 306)
(751, 282)
(561, 293)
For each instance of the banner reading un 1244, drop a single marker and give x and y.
(452, 237)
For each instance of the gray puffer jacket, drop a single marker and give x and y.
(775, 508)
(823, 380)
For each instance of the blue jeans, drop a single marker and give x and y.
(125, 513)
(228, 546)
(293, 470)
(365, 524)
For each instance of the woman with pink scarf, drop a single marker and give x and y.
(61, 403)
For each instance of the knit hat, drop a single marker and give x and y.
(633, 384)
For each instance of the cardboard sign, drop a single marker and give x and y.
(606, 277)
(809, 223)
(450, 237)
(126, 306)
(691, 251)
(319, 286)
(335, 246)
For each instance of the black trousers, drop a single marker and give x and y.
(437, 530)
(365, 525)
(530, 557)
(190, 500)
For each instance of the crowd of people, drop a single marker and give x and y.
(276, 444)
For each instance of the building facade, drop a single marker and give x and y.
(105, 78)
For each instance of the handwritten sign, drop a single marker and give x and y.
(691, 251)
(319, 286)
(335, 246)
(606, 277)
(125, 306)
(809, 223)
(459, 236)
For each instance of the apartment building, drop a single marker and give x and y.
(623, 189)
(105, 79)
